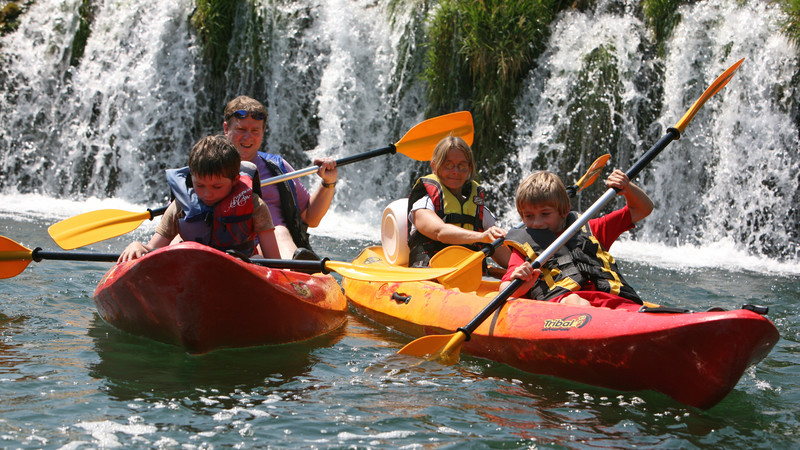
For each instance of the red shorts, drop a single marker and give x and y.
(604, 299)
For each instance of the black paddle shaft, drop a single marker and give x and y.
(491, 307)
(672, 135)
(298, 265)
(38, 255)
(157, 211)
(391, 149)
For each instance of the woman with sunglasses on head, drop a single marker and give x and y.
(292, 207)
(447, 207)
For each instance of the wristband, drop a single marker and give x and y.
(329, 185)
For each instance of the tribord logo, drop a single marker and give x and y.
(565, 324)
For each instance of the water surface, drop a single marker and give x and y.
(68, 380)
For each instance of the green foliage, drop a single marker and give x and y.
(86, 13)
(662, 17)
(791, 25)
(8, 17)
(592, 126)
(213, 20)
(481, 51)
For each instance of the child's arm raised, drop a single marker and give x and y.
(639, 203)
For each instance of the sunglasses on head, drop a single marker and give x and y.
(242, 114)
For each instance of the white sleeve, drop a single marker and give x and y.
(423, 203)
(488, 218)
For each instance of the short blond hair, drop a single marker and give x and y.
(447, 144)
(543, 187)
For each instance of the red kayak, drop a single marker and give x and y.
(202, 299)
(695, 358)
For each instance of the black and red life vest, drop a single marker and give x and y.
(465, 210)
(580, 261)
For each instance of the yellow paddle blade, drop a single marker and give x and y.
(467, 265)
(95, 226)
(594, 171)
(718, 84)
(385, 273)
(14, 258)
(418, 143)
(443, 348)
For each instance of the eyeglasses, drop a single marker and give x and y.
(462, 167)
(242, 114)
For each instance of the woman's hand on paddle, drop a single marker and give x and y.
(492, 234)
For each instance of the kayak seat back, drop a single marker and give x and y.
(394, 232)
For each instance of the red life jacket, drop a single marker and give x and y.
(226, 226)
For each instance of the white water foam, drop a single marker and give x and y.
(723, 254)
(105, 432)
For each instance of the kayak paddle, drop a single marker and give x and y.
(14, 258)
(591, 174)
(446, 348)
(418, 143)
(469, 264)
(96, 226)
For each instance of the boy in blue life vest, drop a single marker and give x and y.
(214, 205)
(292, 207)
(582, 272)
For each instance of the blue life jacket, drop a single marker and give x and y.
(228, 225)
(289, 204)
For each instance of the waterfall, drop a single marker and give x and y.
(732, 176)
(343, 77)
(110, 124)
(735, 174)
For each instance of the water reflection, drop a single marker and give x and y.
(136, 368)
(10, 357)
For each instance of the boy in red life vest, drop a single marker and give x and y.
(582, 272)
(214, 204)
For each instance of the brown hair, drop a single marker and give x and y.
(244, 103)
(543, 187)
(214, 155)
(444, 146)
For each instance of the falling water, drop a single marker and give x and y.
(732, 177)
(735, 174)
(342, 77)
(110, 124)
